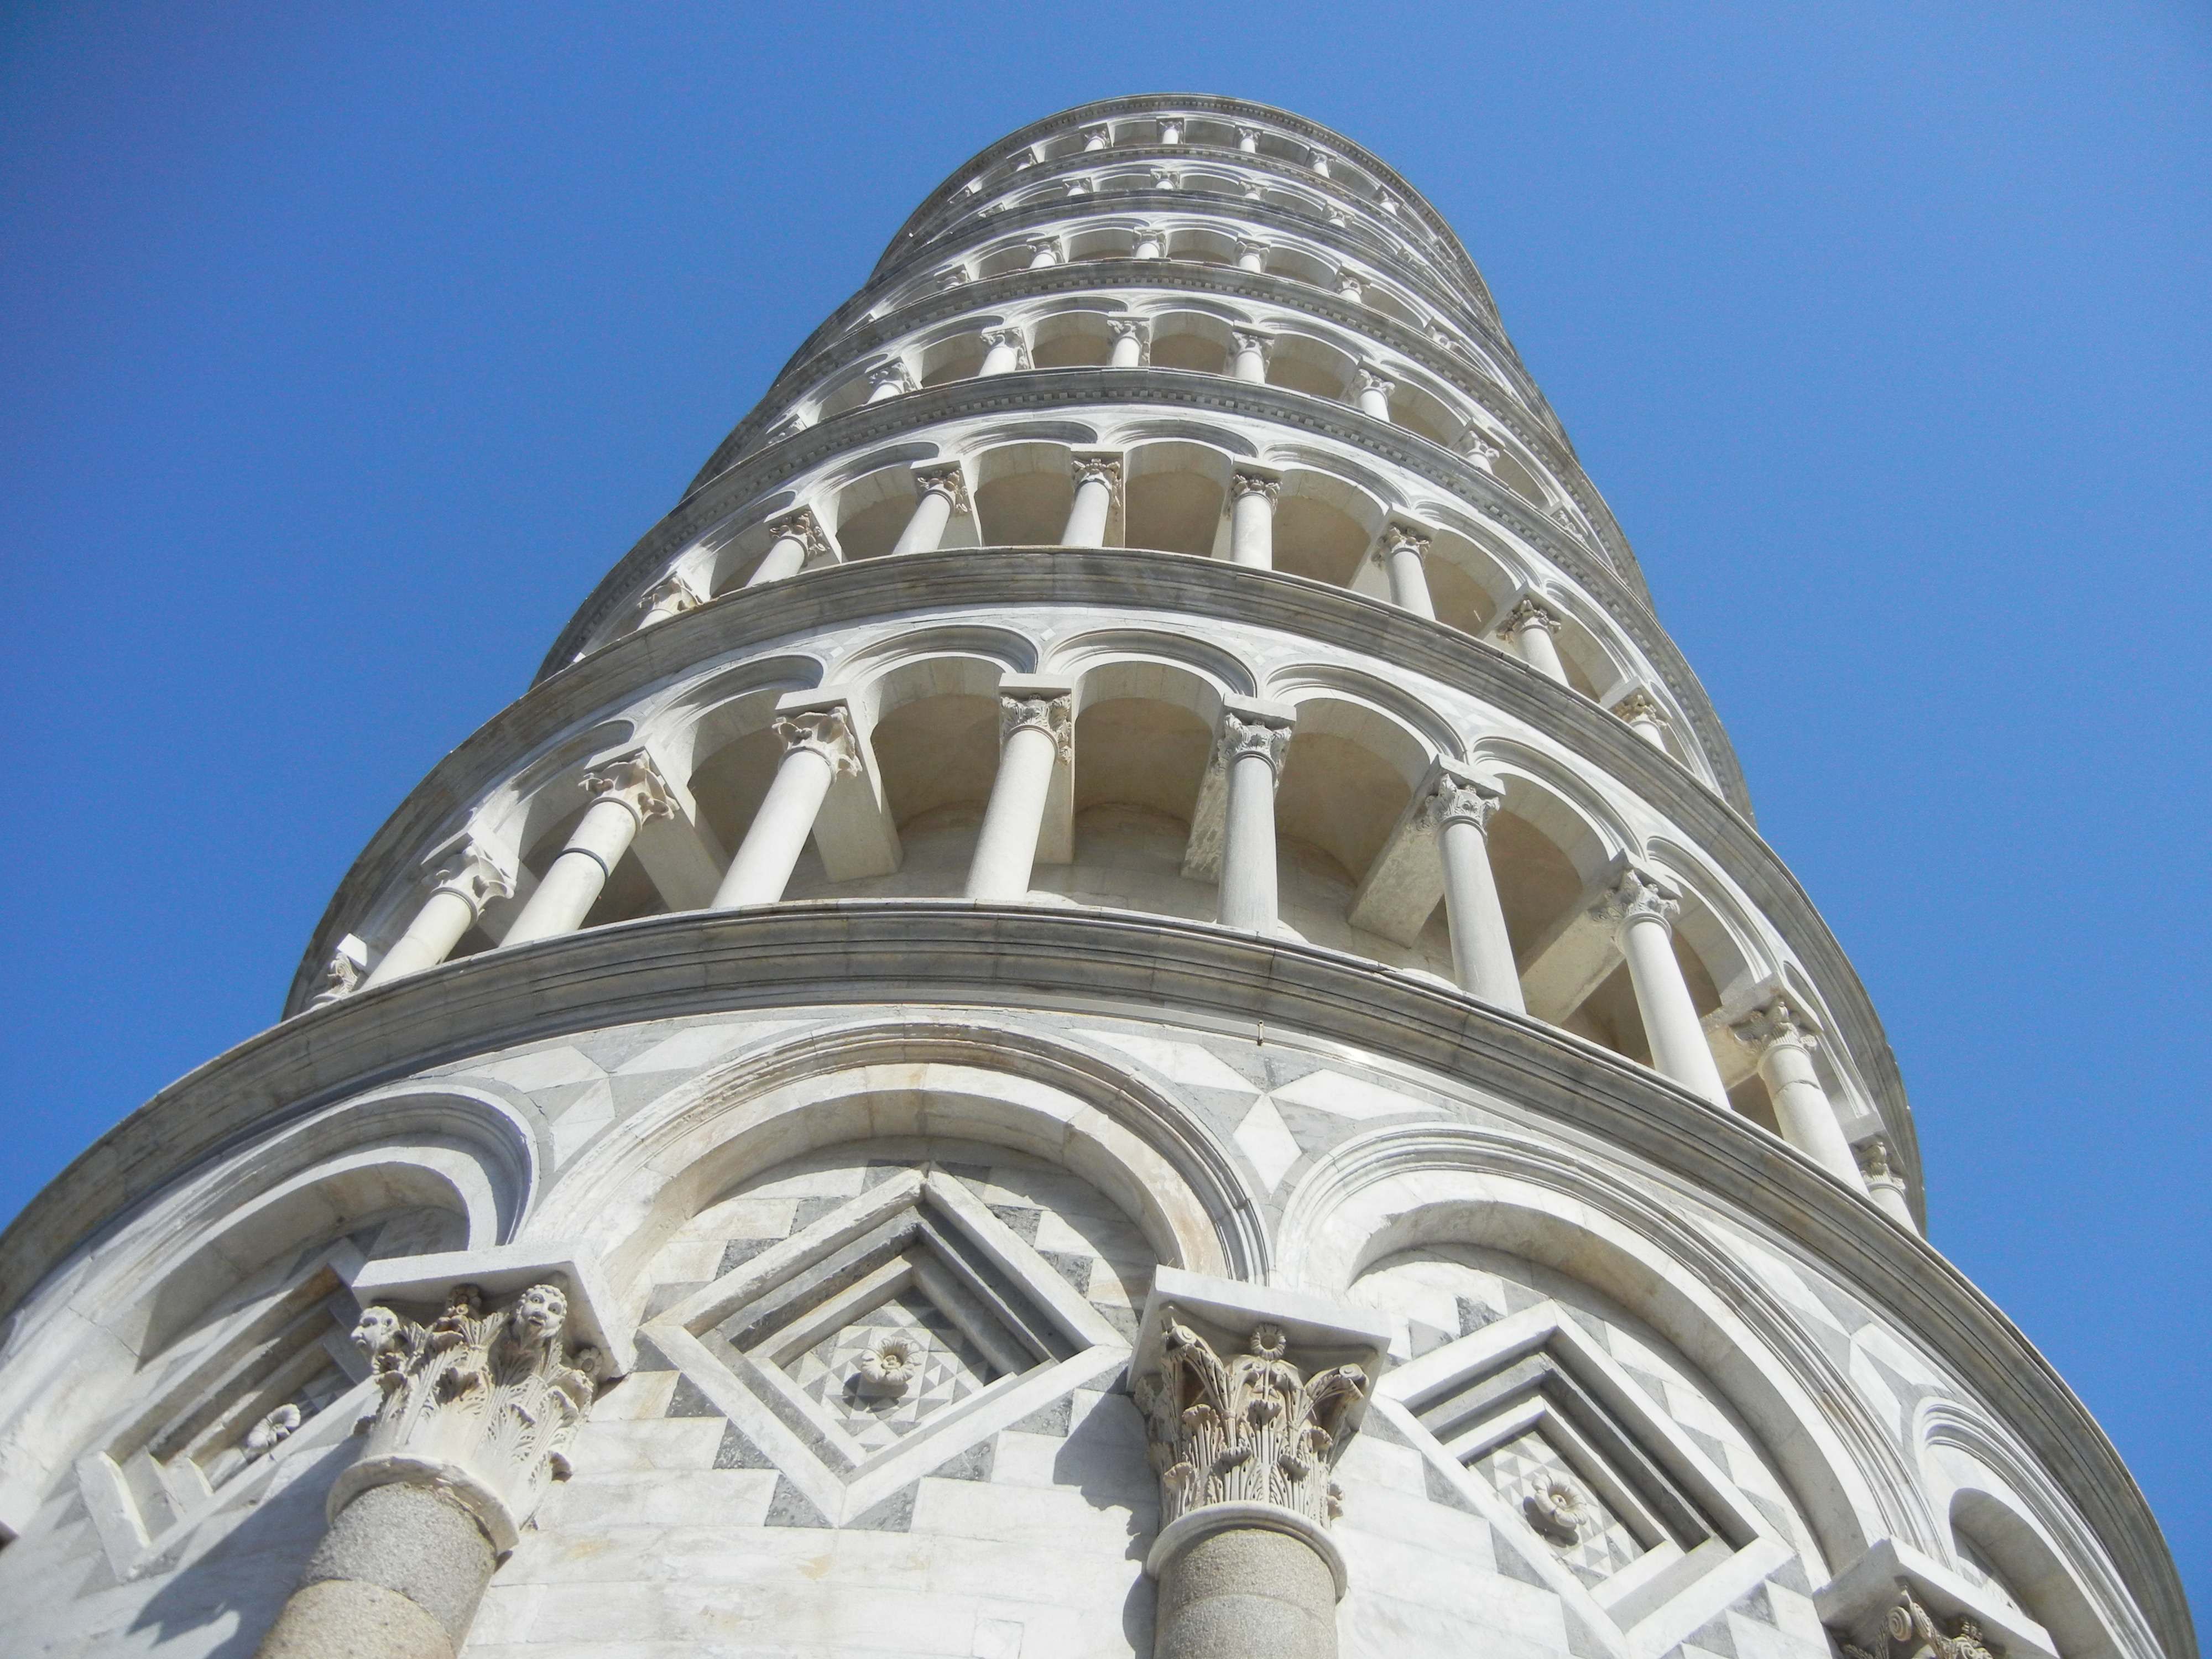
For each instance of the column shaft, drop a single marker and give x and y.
(1482, 952)
(1670, 1018)
(1248, 846)
(397, 1575)
(1246, 1591)
(567, 894)
(1801, 1107)
(777, 836)
(1407, 567)
(925, 532)
(785, 558)
(1252, 522)
(1087, 515)
(1129, 350)
(1250, 361)
(1006, 848)
(438, 926)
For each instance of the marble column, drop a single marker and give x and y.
(818, 745)
(1097, 138)
(1250, 360)
(889, 381)
(1152, 243)
(1878, 1169)
(1482, 952)
(1036, 735)
(1247, 140)
(1171, 132)
(1097, 483)
(474, 1414)
(1246, 1412)
(671, 596)
(1641, 710)
(1642, 910)
(1006, 349)
(626, 793)
(1531, 625)
(459, 892)
(1043, 252)
(1252, 496)
(1781, 1036)
(943, 495)
(1405, 560)
(1374, 394)
(1351, 285)
(1129, 343)
(1251, 747)
(1251, 255)
(798, 540)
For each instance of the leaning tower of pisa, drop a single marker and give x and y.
(1115, 997)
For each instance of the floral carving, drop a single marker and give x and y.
(1242, 735)
(827, 732)
(1560, 1512)
(1248, 1429)
(484, 1404)
(1909, 1627)
(271, 1431)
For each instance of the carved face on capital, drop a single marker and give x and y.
(539, 1314)
(377, 1332)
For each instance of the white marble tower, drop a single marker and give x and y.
(1115, 998)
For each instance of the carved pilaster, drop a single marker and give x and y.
(1251, 1428)
(480, 1404)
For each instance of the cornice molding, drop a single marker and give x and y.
(920, 584)
(963, 954)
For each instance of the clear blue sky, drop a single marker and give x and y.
(346, 347)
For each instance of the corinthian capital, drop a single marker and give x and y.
(1778, 1023)
(1351, 285)
(892, 374)
(636, 781)
(1245, 734)
(1458, 798)
(1404, 536)
(803, 528)
(1253, 1427)
(1251, 340)
(1639, 705)
(827, 731)
(1255, 483)
(1372, 381)
(475, 876)
(1640, 896)
(1054, 715)
(945, 480)
(342, 974)
(1530, 613)
(1098, 468)
(481, 1404)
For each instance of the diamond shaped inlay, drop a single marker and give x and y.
(885, 1338)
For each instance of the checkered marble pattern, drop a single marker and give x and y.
(952, 1369)
(1528, 1463)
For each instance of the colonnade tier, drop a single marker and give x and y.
(1151, 759)
(1486, 570)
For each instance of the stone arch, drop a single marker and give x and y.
(718, 739)
(2012, 1531)
(1325, 524)
(1072, 337)
(1175, 493)
(1144, 1149)
(1023, 492)
(1397, 1188)
(1302, 360)
(1190, 337)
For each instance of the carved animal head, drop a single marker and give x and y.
(377, 1332)
(539, 1314)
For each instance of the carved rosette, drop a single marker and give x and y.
(636, 781)
(1053, 716)
(480, 1404)
(1242, 735)
(827, 732)
(1247, 1429)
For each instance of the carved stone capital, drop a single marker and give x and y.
(671, 596)
(1097, 138)
(1052, 715)
(1778, 1023)
(945, 480)
(1530, 613)
(1098, 468)
(1638, 896)
(1129, 328)
(803, 528)
(481, 1403)
(1372, 381)
(1459, 800)
(1248, 139)
(828, 732)
(891, 374)
(342, 976)
(1351, 285)
(1248, 245)
(1639, 705)
(1253, 483)
(1252, 734)
(1171, 130)
(956, 278)
(1478, 448)
(1045, 245)
(1874, 1160)
(1401, 537)
(1166, 179)
(1250, 340)
(475, 877)
(636, 781)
